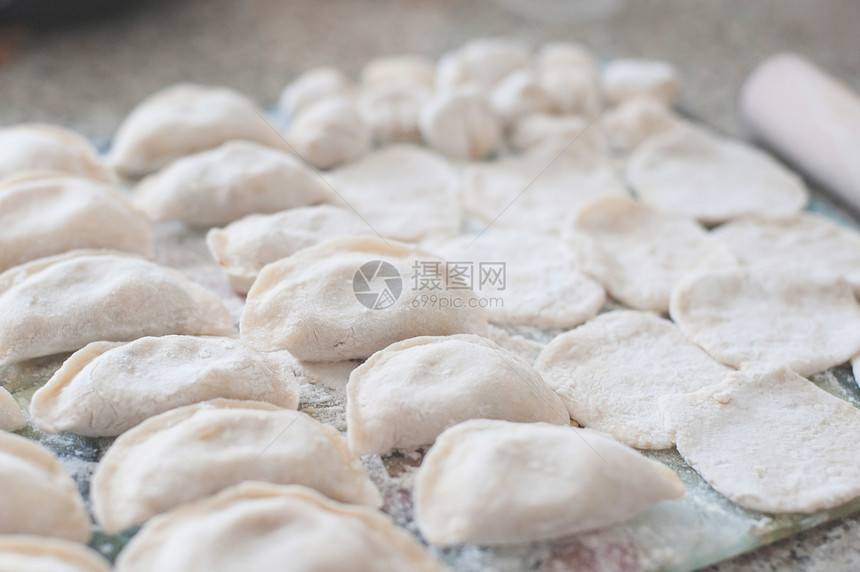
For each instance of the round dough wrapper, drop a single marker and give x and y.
(258, 526)
(224, 184)
(807, 242)
(693, 173)
(244, 247)
(611, 372)
(796, 453)
(495, 482)
(11, 416)
(35, 147)
(182, 120)
(107, 388)
(50, 214)
(528, 279)
(402, 192)
(806, 323)
(640, 254)
(195, 451)
(407, 394)
(347, 298)
(22, 553)
(38, 496)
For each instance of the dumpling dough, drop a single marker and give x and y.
(693, 173)
(310, 303)
(108, 387)
(638, 253)
(37, 496)
(558, 132)
(538, 191)
(11, 416)
(330, 132)
(569, 74)
(258, 526)
(461, 125)
(626, 79)
(392, 113)
(769, 440)
(808, 323)
(244, 247)
(197, 450)
(20, 553)
(611, 371)
(808, 242)
(481, 64)
(407, 394)
(494, 482)
(46, 215)
(520, 94)
(225, 184)
(410, 71)
(541, 285)
(314, 86)
(34, 147)
(182, 120)
(636, 120)
(62, 303)
(403, 192)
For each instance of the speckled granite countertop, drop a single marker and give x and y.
(90, 75)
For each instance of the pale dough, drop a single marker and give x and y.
(808, 323)
(611, 371)
(23, 553)
(30, 147)
(769, 440)
(11, 416)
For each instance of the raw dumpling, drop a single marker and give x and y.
(769, 440)
(37, 496)
(407, 394)
(244, 247)
(689, 172)
(461, 125)
(11, 416)
(638, 253)
(62, 303)
(21, 553)
(627, 79)
(314, 86)
(108, 387)
(392, 113)
(808, 242)
(611, 371)
(538, 191)
(636, 120)
(330, 132)
(47, 215)
(808, 323)
(197, 450)
(182, 120)
(35, 147)
(526, 278)
(481, 64)
(569, 74)
(347, 298)
(495, 482)
(403, 192)
(258, 526)
(225, 184)
(520, 94)
(410, 71)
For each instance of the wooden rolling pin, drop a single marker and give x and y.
(810, 119)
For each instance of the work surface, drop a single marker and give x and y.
(90, 76)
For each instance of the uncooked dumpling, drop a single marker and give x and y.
(197, 450)
(46, 215)
(314, 86)
(403, 192)
(611, 371)
(407, 394)
(37, 496)
(411, 71)
(225, 184)
(108, 387)
(392, 113)
(481, 64)
(636, 120)
(808, 242)
(258, 526)
(626, 79)
(461, 125)
(11, 416)
(34, 147)
(62, 303)
(495, 482)
(330, 132)
(638, 253)
(693, 173)
(244, 247)
(21, 553)
(525, 278)
(769, 440)
(182, 120)
(808, 323)
(347, 298)
(540, 190)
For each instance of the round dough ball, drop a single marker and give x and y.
(481, 64)
(520, 94)
(628, 78)
(461, 125)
